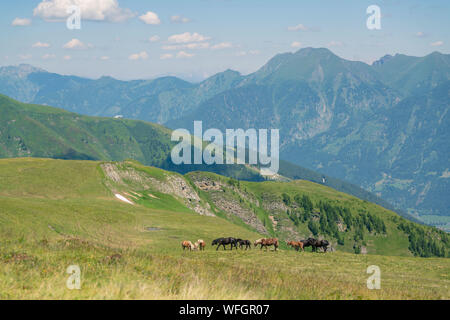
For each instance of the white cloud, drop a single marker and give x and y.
(19, 22)
(302, 27)
(154, 39)
(420, 34)
(75, 44)
(96, 10)
(183, 54)
(179, 19)
(139, 56)
(201, 45)
(222, 45)
(299, 27)
(104, 58)
(198, 45)
(296, 44)
(150, 18)
(48, 56)
(187, 37)
(41, 45)
(67, 57)
(166, 56)
(25, 56)
(437, 43)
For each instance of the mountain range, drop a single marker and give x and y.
(383, 127)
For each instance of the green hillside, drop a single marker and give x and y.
(42, 131)
(300, 209)
(57, 213)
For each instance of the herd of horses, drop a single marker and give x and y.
(263, 242)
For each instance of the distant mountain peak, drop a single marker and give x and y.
(383, 60)
(21, 70)
(315, 51)
(106, 78)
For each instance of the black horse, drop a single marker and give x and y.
(316, 244)
(307, 242)
(242, 243)
(223, 242)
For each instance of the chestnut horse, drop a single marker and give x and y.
(200, 244)
(296, 245)
(187, 244)
(267, 243)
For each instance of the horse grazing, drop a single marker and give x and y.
(297, 245)
(223, 242)
(267, 243)
(187, 244)
(200, 245)
(242, 243)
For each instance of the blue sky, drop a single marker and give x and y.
(197, 38)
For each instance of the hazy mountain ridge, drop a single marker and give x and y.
(42, 131)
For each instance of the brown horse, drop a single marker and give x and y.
(267, 243)
(200, 244)
(187, 244)
(297, 245)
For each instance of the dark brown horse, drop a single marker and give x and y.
(223, 242)
(317, 244)
(242, 243)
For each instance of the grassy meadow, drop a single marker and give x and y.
(56, 213)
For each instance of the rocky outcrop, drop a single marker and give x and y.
(229, 199)
(123, 175)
